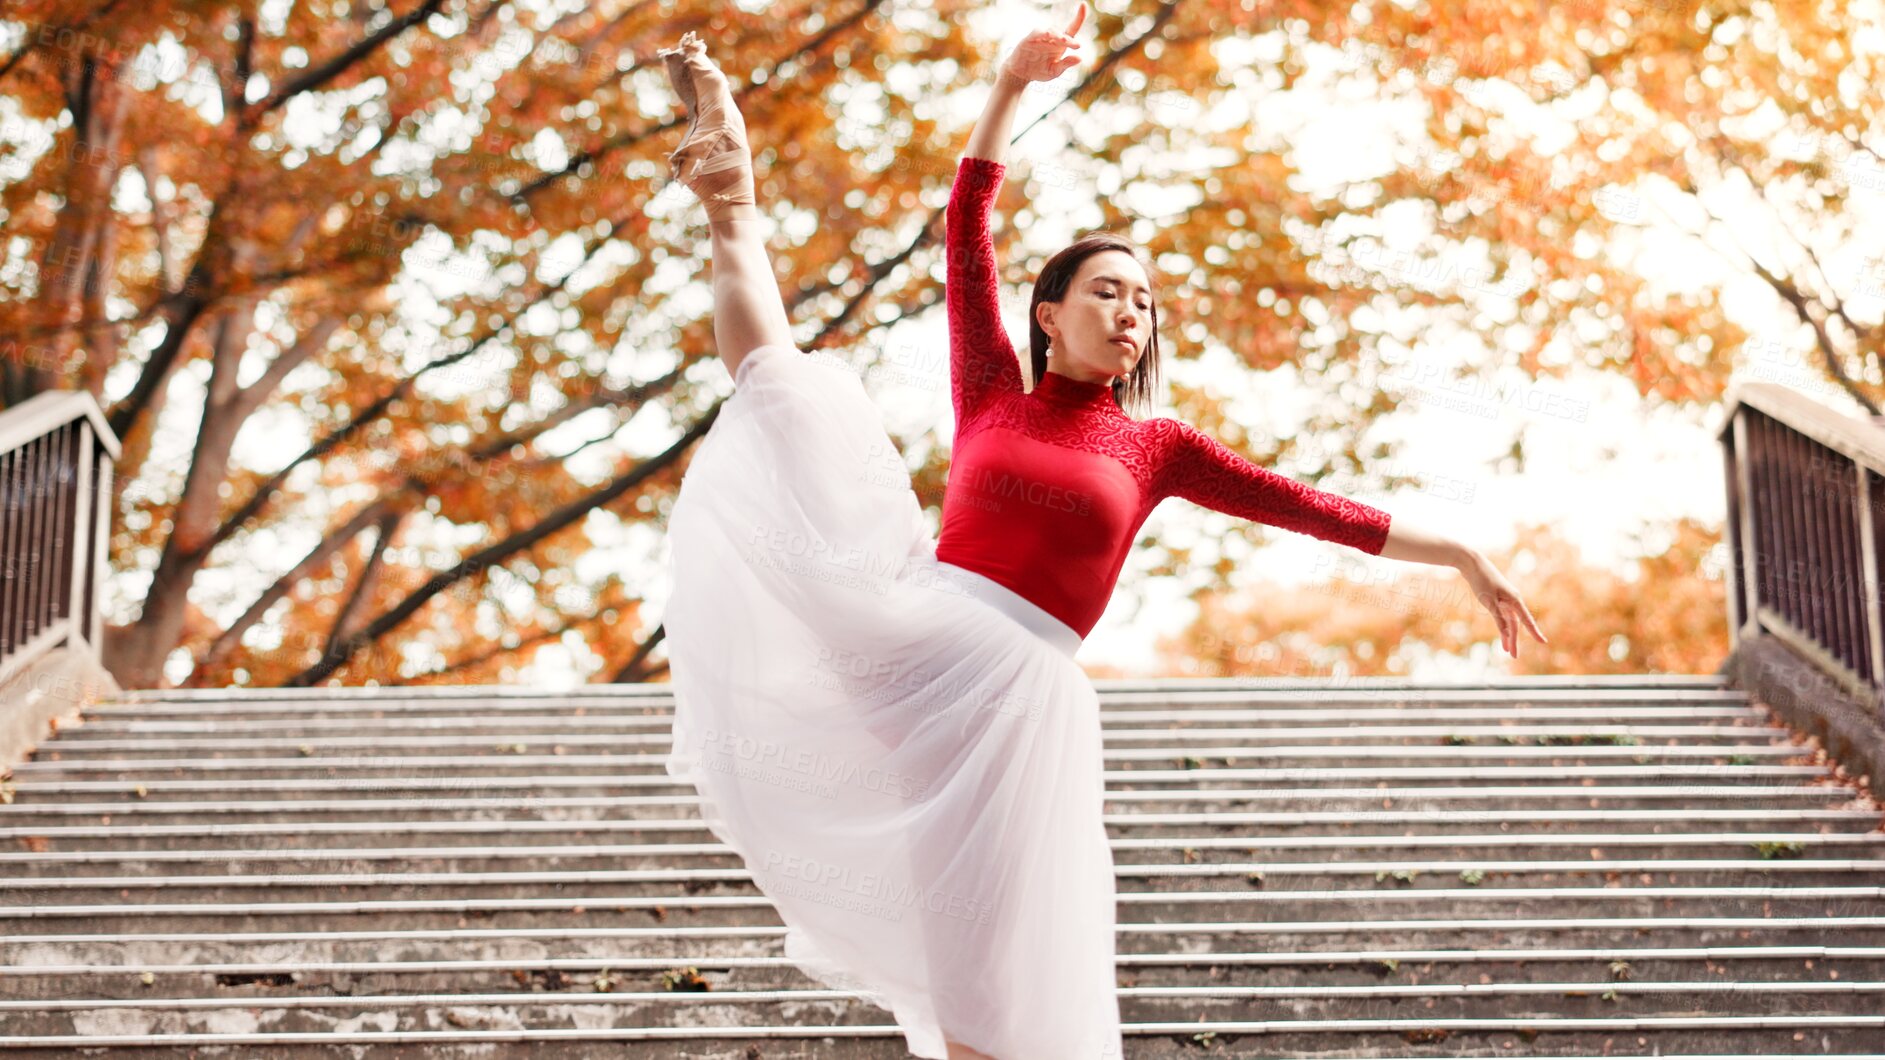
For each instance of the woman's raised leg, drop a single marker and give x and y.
(715, 161)
(747, 310)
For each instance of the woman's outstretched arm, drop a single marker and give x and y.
(1491, 588)
(1199, 468)
(1419, 545)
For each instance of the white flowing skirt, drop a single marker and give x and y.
(903, 752)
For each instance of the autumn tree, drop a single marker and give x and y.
(433, 242)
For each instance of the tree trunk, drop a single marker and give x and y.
(78, 259)
(138, 660)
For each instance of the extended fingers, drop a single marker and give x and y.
(1506, 596)
(1530, 621)
(1498, 601)
(1046, 46)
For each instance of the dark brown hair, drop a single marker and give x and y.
(1133, 390)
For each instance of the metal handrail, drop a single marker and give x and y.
(57, 455)
(1805, 487)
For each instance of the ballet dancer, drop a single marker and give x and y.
(887, 726)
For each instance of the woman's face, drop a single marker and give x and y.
(1103, 324)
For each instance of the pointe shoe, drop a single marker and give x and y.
(713, 159)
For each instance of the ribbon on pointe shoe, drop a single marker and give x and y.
(714, 159)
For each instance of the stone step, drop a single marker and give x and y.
(1574, 1002)
(652, 719)
(1803, 859)
(32, 808)
(79, 742)
(1207, 778)
(24, 954)
(1201, 894)
(655, 840)
(318, 703)
(1224, 963)
(142, 833)
(1516, 686)
(627, 1005)
(1694, 1038)
(305, 976)
(523, 760)
(28, 895)
(1541, 688)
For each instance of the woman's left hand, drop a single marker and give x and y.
(1497, 595)
(1045, 54)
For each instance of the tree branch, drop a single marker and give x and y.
(500, 649)
(631, 669)
(495, 554)
(185, 308)
(326, 547)
(386, 528)
(378, 408)
(31, 44)
(388, 506)
(310, 342)
(236, 89)
(771, 84)
(1800, 301)
(598, 398)
(321, 74)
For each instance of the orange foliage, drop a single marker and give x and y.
(1667, 615)
(240, 187)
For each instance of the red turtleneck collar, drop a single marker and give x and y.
(1066, 390)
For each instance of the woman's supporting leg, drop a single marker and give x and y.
(963, 1052)
(747, 310)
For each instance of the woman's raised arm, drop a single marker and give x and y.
(1041, 56)
(992, 129)
(981, 357)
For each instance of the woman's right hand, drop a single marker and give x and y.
(1046, 54)
(1496, 594)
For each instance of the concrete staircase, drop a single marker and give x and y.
(1583, 867)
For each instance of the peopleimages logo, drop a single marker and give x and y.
(872, 886)
(1032, 491)
(812, 764)
(784, 541)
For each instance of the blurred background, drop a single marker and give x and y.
(405, 330)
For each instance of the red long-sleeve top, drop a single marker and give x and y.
(1047, 488)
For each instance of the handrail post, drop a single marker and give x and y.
(101, 556)
(1750, 547)
(1810, 638)
(77, 613)
(1874, 635)
(56, 458)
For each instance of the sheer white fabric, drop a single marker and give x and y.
(904, 753)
